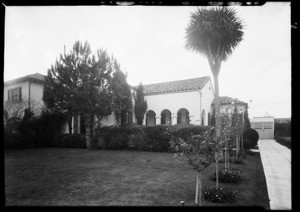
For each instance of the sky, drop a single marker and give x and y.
(148, 42)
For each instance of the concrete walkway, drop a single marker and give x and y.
(276, 160)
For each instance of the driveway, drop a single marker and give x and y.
(276, 160)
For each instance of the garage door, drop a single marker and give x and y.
(264, 129)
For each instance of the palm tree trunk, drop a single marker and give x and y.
(217, 110)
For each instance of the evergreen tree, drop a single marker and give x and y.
(141, 105)
(247, 120)
(122, 105)
(80, 83)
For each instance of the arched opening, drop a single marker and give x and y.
(166, 117)
(203, 117)
(183, 116)
(150, 118)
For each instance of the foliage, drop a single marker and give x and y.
(197, 151)
(247, 120)
(251, 135)
(72, 141)
(145, 138)
(16, 109)
(140, 106)
(219, 195)
(282, 129)
(11, 133)
(285, 141)
(214, 32)
(121, 96)
(80, 83)
(33, 131)
(227, 176)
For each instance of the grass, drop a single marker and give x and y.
(73, 177)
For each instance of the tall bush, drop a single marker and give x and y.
(251, 137)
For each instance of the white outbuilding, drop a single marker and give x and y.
(264, 126)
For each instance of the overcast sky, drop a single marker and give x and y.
(148, 42)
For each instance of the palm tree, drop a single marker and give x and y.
(214, 33)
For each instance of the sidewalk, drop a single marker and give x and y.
(276, 160)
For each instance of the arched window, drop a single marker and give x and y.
(166, 117)
(203, 117)
(150, 118)
(183, 116)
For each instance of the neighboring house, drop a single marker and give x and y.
(264, 126)
(227, 105)
(25, 91)
(179, 102)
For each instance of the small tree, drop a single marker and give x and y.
(140, 106)
(80, 83)
(199, 151)
(122, 105)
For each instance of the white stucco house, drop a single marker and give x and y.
(27, 90)
(188, 101)
(179, 102)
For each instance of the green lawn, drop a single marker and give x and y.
(57, 176)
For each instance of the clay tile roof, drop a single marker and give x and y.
(176, 86)
(225, 100)
(31, 77)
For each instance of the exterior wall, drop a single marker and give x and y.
(109, 120)
(176, 101)
(264, 126)
(207, 99)
(240, 108)
(36, 94)
(24, 86)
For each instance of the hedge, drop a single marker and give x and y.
(32, 131)
(285, 141)
(146, 138)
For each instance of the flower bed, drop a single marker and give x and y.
(219, 195)
(225, 176)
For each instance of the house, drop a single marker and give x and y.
(187, 101)
(179, 102)
(227, 105)
(176, 102)
(25, 91)
(264, 126)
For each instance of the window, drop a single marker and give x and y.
(268, 125)
(14, 95)
(257, 126)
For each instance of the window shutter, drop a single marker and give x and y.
(20, 94)
(8, 95)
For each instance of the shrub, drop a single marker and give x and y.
(282, 129)
(137, 141)
(248, 144)
(219, 195)
(11, 134)
(285, 141)
(145, 138)
(225, 176)
(250, 138)
(73, 141)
